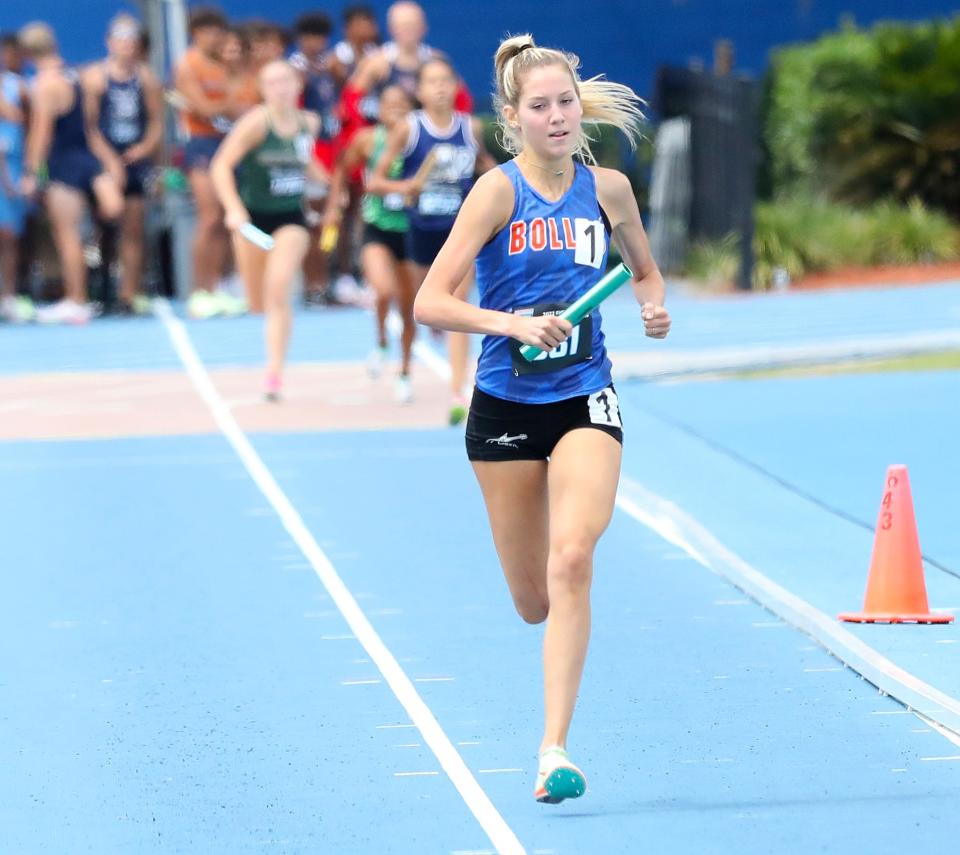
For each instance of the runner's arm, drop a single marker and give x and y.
(616, 196)
(378, 183)
(485, 211)
(245, 135)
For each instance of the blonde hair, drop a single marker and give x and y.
(37, 39)
(603, 102)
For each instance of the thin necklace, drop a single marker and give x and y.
(557, 172)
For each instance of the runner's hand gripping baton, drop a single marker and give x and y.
(256, 237)
(582, 307)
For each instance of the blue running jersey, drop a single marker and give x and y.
(548, 255)
(452, 175)
(123, 112)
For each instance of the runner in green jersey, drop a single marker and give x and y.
(270, 147)
(385, 225)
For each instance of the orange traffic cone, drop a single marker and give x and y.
(896, 592)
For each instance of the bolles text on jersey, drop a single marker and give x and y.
(541, 233)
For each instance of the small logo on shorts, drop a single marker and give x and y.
(507, 441)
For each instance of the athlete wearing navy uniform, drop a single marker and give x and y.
(441, 153)
(58, 136)
(125, 113)
(545, 437)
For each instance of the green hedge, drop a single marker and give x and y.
(864, 115)
(802, 236)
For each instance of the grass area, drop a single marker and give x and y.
(945, 361)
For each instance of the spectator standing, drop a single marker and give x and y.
(13, 111)
(58, 136)
(125, 115)
(202, 82)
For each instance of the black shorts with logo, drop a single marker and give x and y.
(507, 430)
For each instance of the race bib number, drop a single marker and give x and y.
(443, 202)
(287, 183)
(604, 408)
(591, 239)
(578, 346)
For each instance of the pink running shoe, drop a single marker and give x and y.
(272, 388)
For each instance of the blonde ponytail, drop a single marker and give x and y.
(603, 102)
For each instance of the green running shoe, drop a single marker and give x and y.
(558, 778)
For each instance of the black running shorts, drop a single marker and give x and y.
(507, 430)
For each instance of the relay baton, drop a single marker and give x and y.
(583, 306)
(256, 237)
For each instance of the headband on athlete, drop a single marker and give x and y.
(124, 30)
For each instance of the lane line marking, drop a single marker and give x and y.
(951, 759)
(414, 774)
(493, 824)
(360, 682)
(681, 529)
(434, 679)
(393, 726)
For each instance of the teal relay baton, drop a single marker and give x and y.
(582, 307)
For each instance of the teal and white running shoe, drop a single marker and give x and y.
(558, 778)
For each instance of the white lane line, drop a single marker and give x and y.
(501, 835)
(951, 759)
(414, 774)
(434, 679)
(408, 745)
(393, 726)
(892, 712)
(939, 728)
(360, 682)
(679, 528)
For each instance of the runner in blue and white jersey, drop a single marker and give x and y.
(545, 437)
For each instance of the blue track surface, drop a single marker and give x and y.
(173, 677)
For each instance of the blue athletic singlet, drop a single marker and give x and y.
(452, 175)
(541, 261)
(11, 133)
(320, 95)
(123, 112)
(70, 161)
(69, 130)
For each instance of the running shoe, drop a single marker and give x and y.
(376, 361)
(458, 410)
(230, 306)
(403, 389)
(203, 305)
(558, 778)
(272, 388)
(64, 312)
(17, 310)
(141, 304)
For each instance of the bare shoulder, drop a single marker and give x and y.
(495, 192)
(93, 77)
(615, 195)
(251, 127)
(611, 183)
